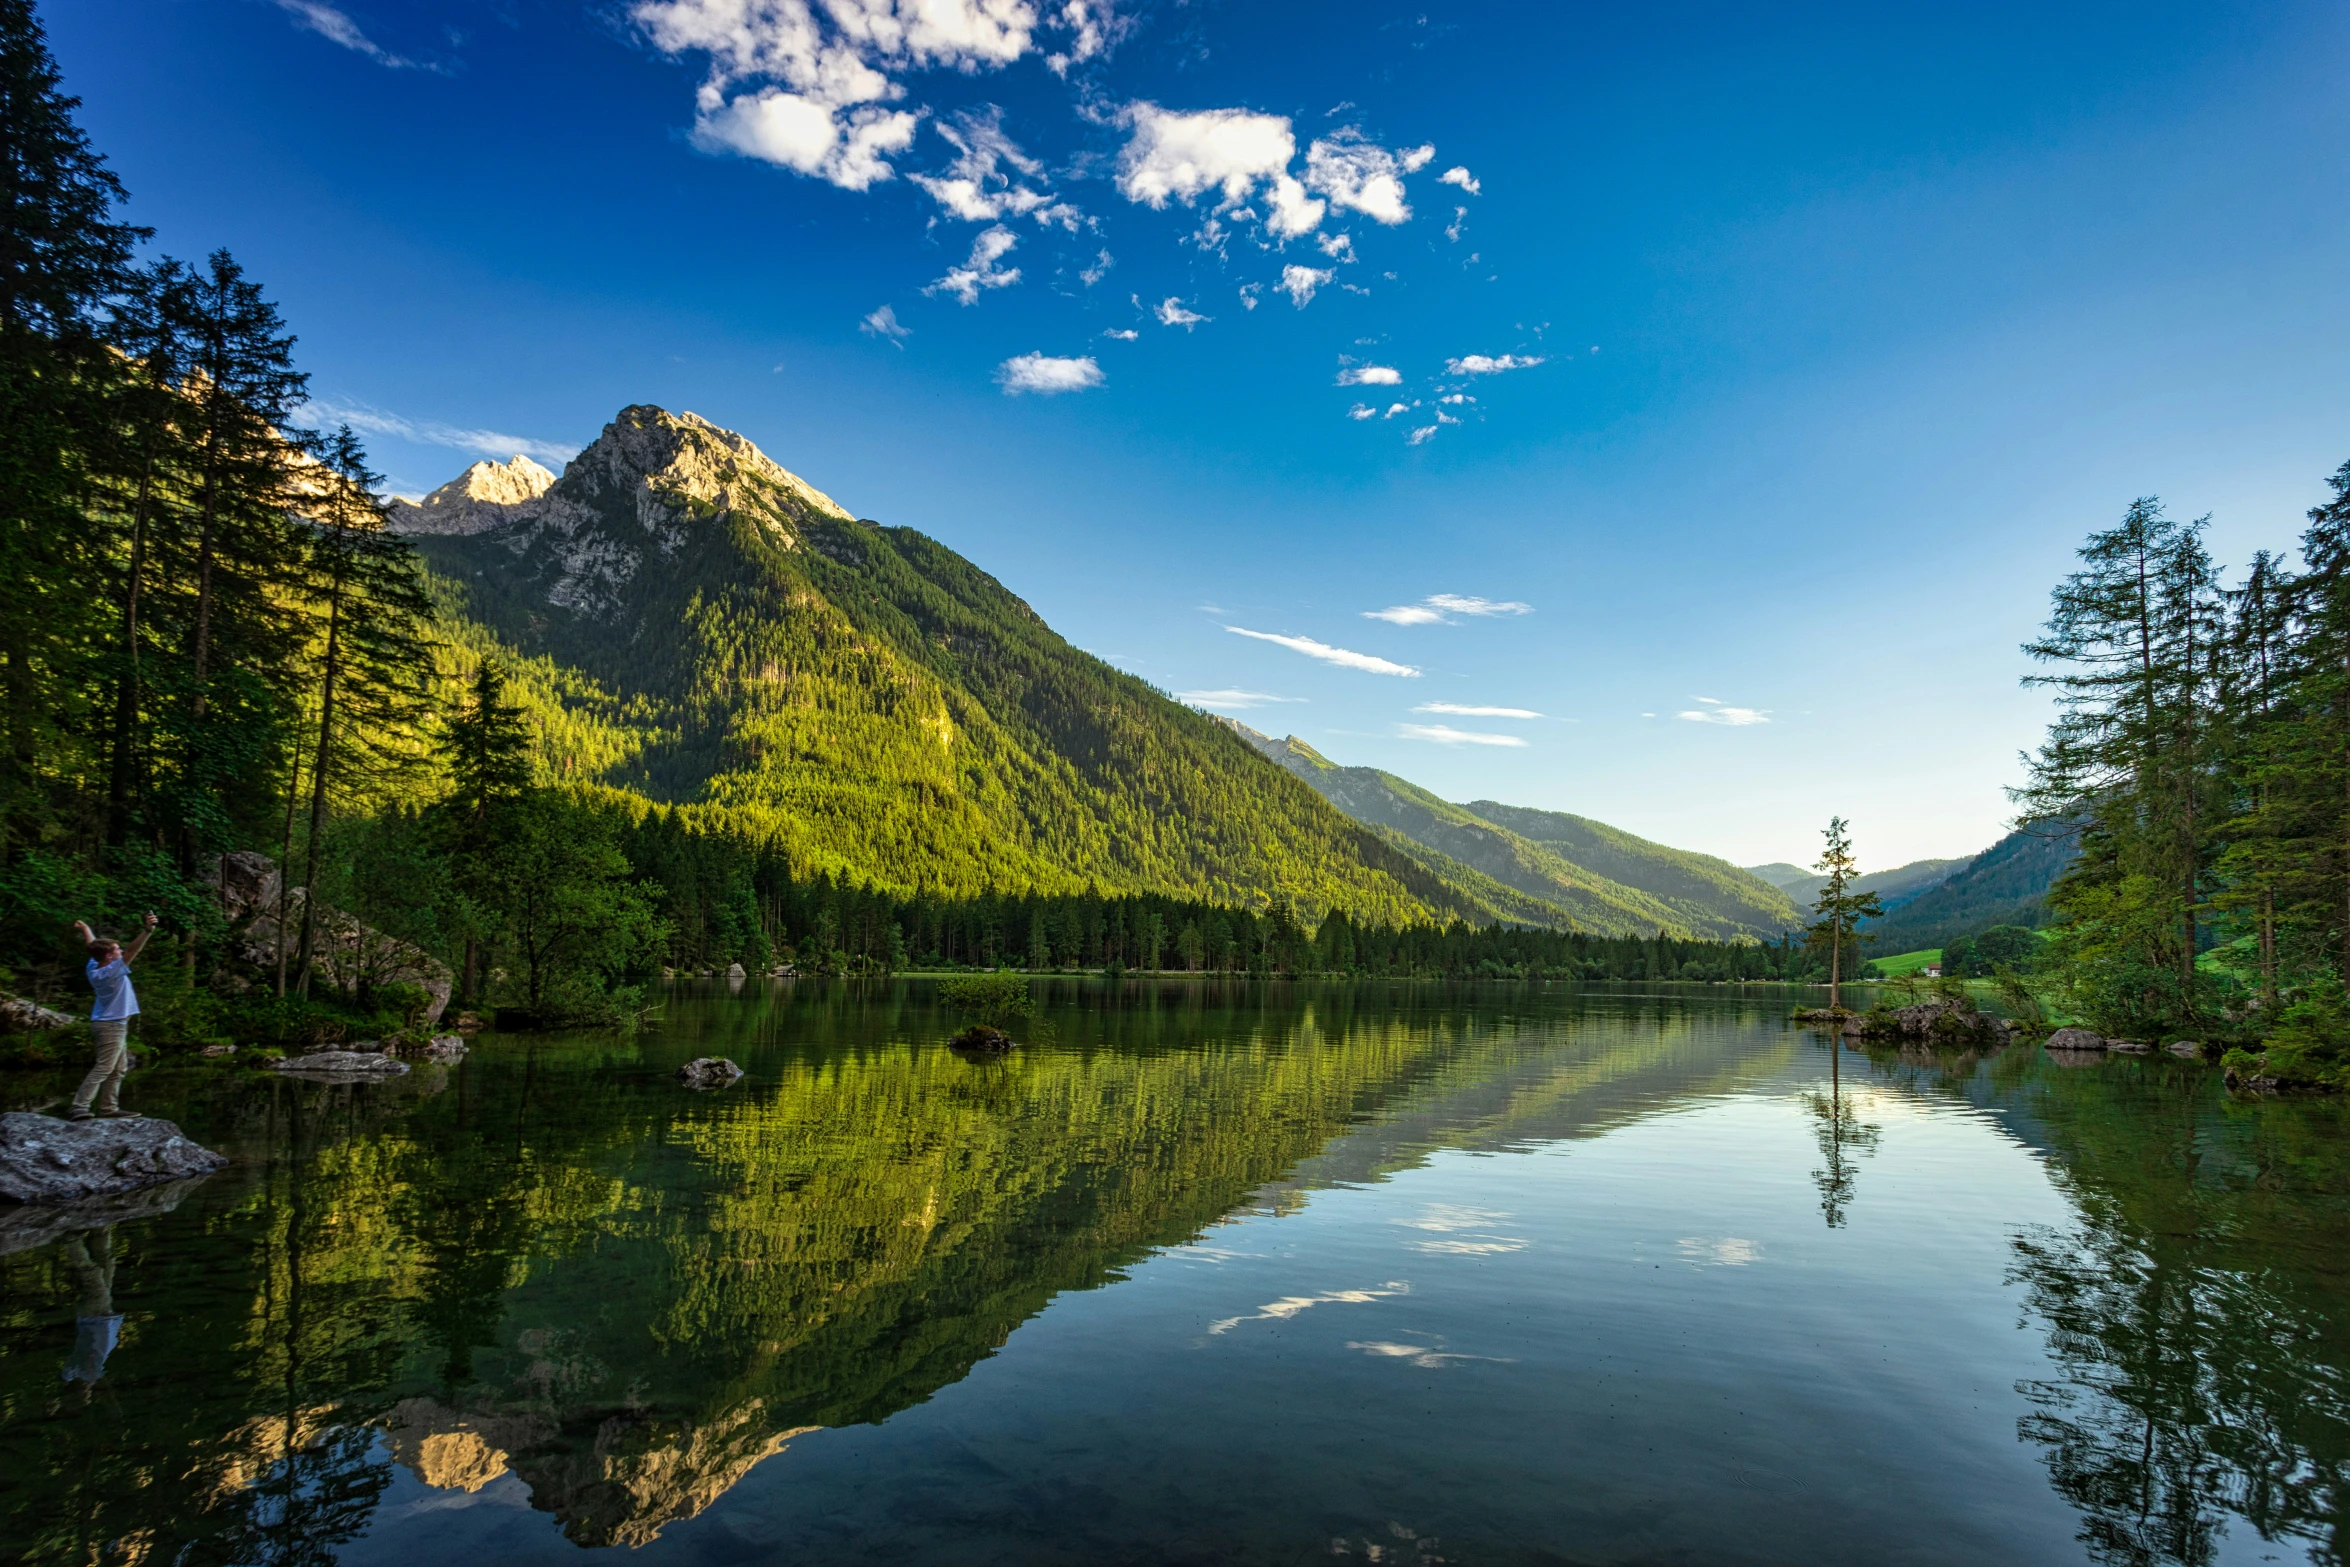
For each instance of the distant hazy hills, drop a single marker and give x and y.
(1564, 868)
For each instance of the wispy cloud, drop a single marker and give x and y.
(963, 283)
(1344, 658)
(884, 324)
(1445, 734)
(1463, 710)
(334, 25)
(1718, 712)
(1045, 375)
(1370, 375)
(1486, 364)
(1233, 700)
(428, 432)
(1439, 608)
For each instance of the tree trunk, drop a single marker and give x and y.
(318, 772)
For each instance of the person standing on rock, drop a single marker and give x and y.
(110, 1020)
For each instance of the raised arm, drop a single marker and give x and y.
(139, 941)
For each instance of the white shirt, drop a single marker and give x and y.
(116, 1000)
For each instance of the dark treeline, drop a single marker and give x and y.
(2203, 745)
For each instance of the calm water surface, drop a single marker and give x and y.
(1255, 1275)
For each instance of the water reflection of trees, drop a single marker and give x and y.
(2195, 1312)
(565, 1269)
(1842, 1135)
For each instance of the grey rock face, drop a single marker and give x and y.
(708, 1072)
(2075, 1039)
(341, 1064)
(47, 1160)
(19, 1016)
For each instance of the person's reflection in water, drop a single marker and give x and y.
(96, 1324)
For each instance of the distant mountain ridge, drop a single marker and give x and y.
(1571, 869)
(690, 624)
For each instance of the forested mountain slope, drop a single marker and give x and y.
(1586, 873)
(693, 624)
(2006, 884)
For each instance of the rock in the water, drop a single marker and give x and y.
(341, 1064)
(980, 1037)
(19, 1016)
(2075, 1039)
(708, 1072)
(47, 1160)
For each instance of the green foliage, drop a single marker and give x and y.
(994, 999)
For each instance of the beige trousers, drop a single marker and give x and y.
(114, 1060)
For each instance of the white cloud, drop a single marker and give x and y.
(1173, 156)
(1357, 173)
(1459, 710)
(976, 186)
(1342, 657)
(1362, 411)
(884, 324)
(1046, 376)
(335, 26)
(1299, 283)
(965, 282)
(1457, 175)
(1172, 313)
(1717, 712)
(427, 432)
(1122, 334)
(1482, 364)
(826, 68)
(1370, 375)
(1232, 700)
(1445, 734)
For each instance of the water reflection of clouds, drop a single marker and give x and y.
(1447, 1220)
(1719, 1251)
(1290, 1305)
(1426, 1357)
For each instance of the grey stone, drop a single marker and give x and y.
(37, 1224)
(47, 1160)
(708, 1072)
(343, 1065)
(2075, 1039)
(19, 1016)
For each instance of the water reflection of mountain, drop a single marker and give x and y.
(553, 1264)
(2193, 1308)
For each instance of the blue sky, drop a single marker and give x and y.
(1797, 346)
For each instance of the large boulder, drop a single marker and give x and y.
(2076, 1039)
(708, 1072)
(47, 1160)
(340, 1065)
(19, 1016)
(344, 952)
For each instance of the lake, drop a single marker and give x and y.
(1272, 1273)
